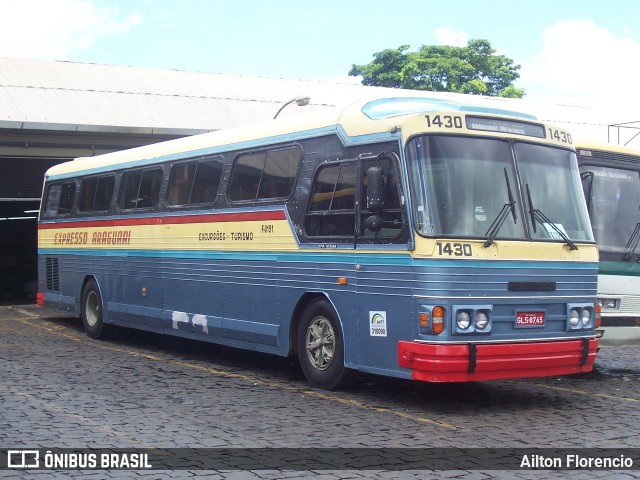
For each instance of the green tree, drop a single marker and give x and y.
(474, 69)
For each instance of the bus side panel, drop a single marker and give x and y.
(193, 300)
(251, 303)
(133, 290)
(386, 311)
(317, 274)
(223, 299)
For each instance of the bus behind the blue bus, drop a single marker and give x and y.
(611, 182)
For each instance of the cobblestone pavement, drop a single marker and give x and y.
(61, 389)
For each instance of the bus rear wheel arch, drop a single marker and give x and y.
(92, 312)
(320, 346)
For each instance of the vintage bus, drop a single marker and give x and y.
(410, 237)
(611, 182)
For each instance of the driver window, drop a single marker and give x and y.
(331, 212)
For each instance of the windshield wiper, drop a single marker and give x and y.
(542, 218)
(632, 244)
(502, 215)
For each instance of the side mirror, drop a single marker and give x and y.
(375, 198)
(375, 189)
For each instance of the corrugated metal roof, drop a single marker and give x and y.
(84, 94)
(53, 92)
(56, 95)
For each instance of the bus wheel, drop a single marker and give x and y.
(92, 312)
(321, 347)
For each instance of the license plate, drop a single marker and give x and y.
(529, 319)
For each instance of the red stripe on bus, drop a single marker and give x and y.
(172, 220)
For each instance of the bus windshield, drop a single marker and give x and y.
(614, 199)
(462, 184)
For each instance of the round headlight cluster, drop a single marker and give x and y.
(580, 317)
(480, 321)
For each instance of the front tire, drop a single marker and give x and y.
(92, 312)
(321, 347)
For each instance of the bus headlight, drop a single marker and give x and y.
(608, 303)
(574, 317)
(583, 316)
(463, 319)
(482, 320)
(472, 319)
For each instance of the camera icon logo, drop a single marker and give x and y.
(23, 459)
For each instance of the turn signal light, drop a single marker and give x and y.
(424, 319)
(598, 320)
(438, 319)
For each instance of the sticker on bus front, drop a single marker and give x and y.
(378, 324)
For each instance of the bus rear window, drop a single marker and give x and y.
(59, 200)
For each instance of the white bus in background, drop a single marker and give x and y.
(611, 182)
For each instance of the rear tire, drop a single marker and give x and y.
(321, 347)
(92, 312)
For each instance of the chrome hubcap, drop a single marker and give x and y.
(92, 309)
(321, 343)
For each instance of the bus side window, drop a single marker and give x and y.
(180, 184)
(207, 181)
(245, 177)
(264, 175)
(280, 170)
(140, 189)
(195, 182)
(96, 194)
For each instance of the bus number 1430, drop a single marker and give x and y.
(446, 121)
(455, 249)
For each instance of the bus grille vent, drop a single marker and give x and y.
(53, 280)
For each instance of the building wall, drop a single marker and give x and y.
(25, 155)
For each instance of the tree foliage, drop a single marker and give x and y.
(474, 69)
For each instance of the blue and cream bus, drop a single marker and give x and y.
(611, 182)
(410, 237)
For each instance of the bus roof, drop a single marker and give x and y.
(378, 111)
(383, 108)
(607, 147)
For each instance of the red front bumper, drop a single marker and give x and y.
(473, 362)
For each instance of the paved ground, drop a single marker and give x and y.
(61, 389)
